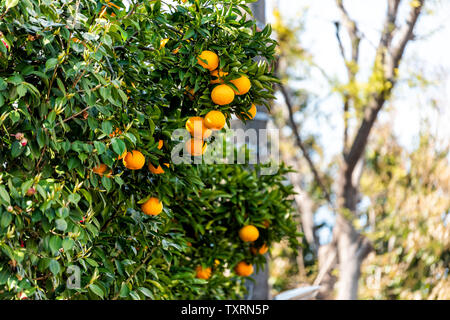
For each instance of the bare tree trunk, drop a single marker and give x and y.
(352, 248)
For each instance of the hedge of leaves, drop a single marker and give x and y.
(81, 82)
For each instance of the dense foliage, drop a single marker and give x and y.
(81, 82)
(408, 220)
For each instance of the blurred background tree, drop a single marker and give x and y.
(376, 196)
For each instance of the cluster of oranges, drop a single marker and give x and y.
(247, 233)
(135, 160)
(222, 94)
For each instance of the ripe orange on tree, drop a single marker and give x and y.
(163, 43)
(134, 160)
(249, 233)
(261, 250)
(243, 85)
(152, 207)
(190, 92)
(100, 169)
(197, 128)
(243, 269)
(122, 156)
(215, 120)
(251, 113)
(222, 95)
(211, 58)
(196, 147)
(158, 170)
(217, 76)
(203, 273)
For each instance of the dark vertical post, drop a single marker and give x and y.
(259, 290)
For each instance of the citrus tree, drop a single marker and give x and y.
(90, 94)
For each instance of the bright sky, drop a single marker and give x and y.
(428, 56)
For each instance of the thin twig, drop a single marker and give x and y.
(302, 147)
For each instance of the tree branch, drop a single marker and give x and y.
(302, 146)
(389, 26)
(353, 33)
(377, 101)
(355, 37)
(406, 34)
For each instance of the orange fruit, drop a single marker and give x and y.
(152, 207)
(261, 250)
(222, 95)
(122, 156)
(243, 84)
(163, 43)
(214, 120)
(217, 76)
(197, 128)
(154, 170)
(190, 93)
(203, 273)
(249, 233)
(160, 144)
(243, 269)
(251, 113)
(212, 60)
(158, 170)
(100, 169)
(195, 147)
(134, 160)
(175, 51)
(76, 40)
(109, 174)
(110, 4)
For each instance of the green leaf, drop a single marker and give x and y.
(118, 146)
(124, 290)
(40, 138)
(146, 292)
(135, 295)
(55, 244)
(61, 224)
(54, 267)
(3, 84)
(100, 147)
(189, 34)
(51, 63)
(51, 117)
(106, 182)
(73, 163)
(5, 219)
(21, 90)
(107, 127)
(96, 289)
(16, 149)
(67, 244)
(11, 3)
(4, 195)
